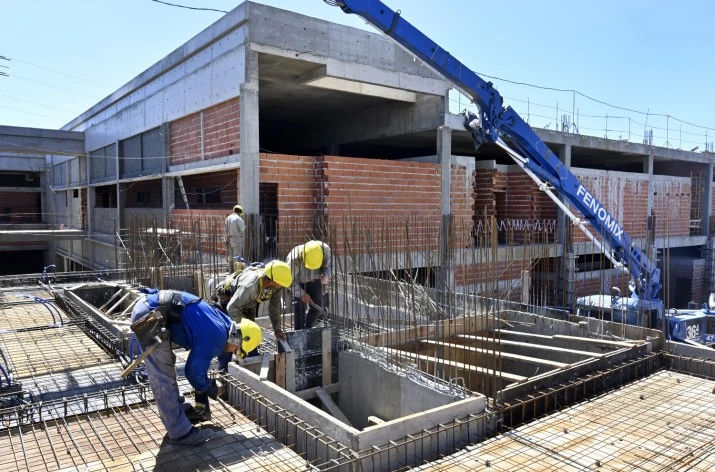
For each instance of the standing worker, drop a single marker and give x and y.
(206, 332)
(311, 269)
(242, 293)
(235, 228)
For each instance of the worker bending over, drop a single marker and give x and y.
(311, 269)
(242, 292)
(235, 228)
(206, 333)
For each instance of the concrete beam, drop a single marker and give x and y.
(505, 355)
(20, 140)
(566, 355)
(44, 235)
(458, 365)
(25, 163)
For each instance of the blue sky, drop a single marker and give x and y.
(653, 57)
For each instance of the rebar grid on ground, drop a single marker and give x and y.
(122, 438)
(661, 422)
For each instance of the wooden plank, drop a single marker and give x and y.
(264, 367)
(281, 369)
(331, 407)
(309, 393)
(503, 355)
(472, 368)
(327, 357)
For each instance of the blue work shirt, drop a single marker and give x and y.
(203, 331)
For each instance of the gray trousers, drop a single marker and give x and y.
(235, 249)
(161, 370)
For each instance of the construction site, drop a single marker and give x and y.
(452, 337)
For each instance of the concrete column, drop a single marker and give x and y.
(250, 145)
(566, 275)
(648, 169)
(444, 156)
(250, 159)
(167, 196)
(91, 202)
(707, 199)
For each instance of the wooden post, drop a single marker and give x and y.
(281, 369)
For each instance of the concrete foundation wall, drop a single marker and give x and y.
(388, 395)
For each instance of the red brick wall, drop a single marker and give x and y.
(462, 196)
(295, 178)
(625, 196)
(221, 134)
(672, 203)
(384, 194)
(185, 140)
(20, 207)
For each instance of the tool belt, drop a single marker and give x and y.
(151, 325)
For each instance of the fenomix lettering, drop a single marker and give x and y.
(600, 212)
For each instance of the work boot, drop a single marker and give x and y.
(198, 413)
(194, 437)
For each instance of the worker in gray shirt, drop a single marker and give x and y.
(235, 229)
(242, 292)
(311, 269)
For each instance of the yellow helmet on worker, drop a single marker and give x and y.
(313, 255)
(238, 209)
(279, 272)
(247, 335)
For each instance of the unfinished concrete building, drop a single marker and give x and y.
(437, 336)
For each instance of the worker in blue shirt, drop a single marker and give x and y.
(206, 332)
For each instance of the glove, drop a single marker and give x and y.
(212, 392)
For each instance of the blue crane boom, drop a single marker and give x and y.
(495, 121)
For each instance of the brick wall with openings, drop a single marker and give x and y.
(143, 194)
(221, 128)
(211, 190)
(20, 207)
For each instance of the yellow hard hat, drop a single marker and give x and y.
(247, 336)
(279, 272)
(313, 255)
(238, 209)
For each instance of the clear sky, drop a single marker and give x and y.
(649, 57)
